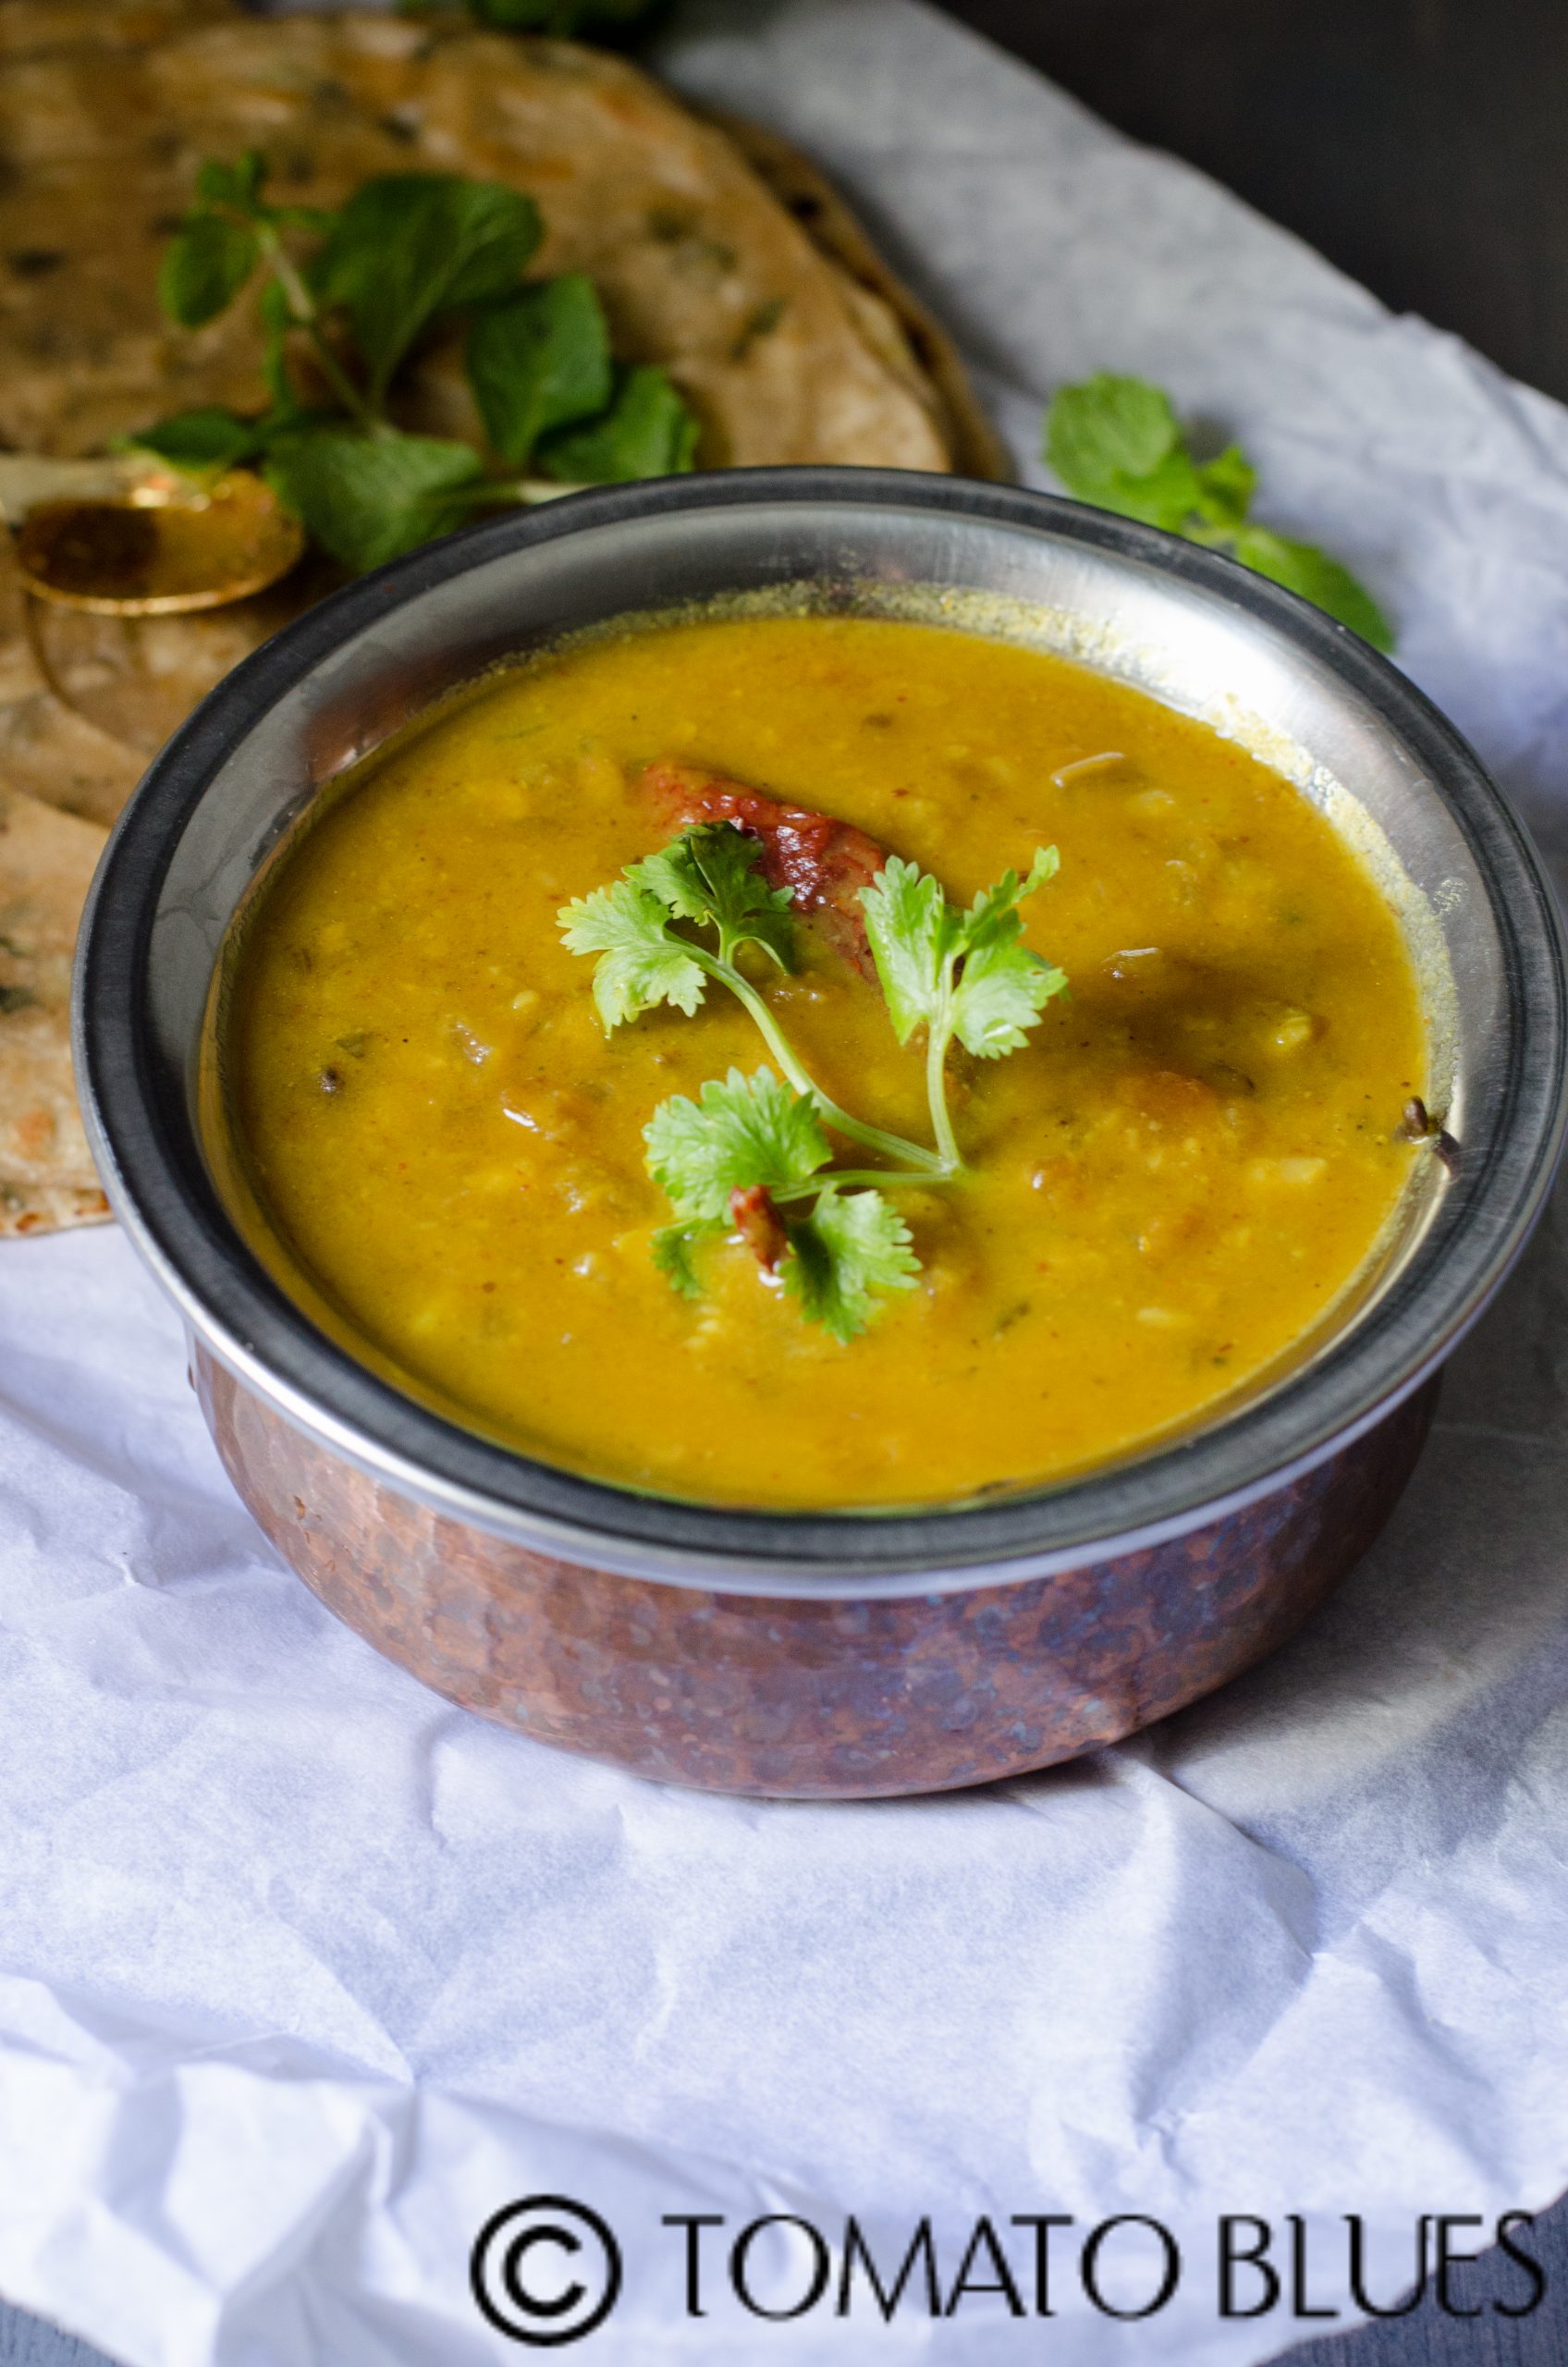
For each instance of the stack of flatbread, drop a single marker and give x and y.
(720, 252)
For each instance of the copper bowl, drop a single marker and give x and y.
(835, 1654)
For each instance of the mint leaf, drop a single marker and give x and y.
(410, 246)
(744, 1132)
(278, 319)
(1167, 498)
(201, 443)
(1109, 428)
(672, 1248)
(851, 1248)
(647, 432)
(911, 928)
(205, 265)
(1001, 986)
(1226, 486)
(641, 965)
(1116, 442)
(540, 359)
(368, 498)
(237, 186)
(1301, 567)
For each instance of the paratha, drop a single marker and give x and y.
(46, 865)
(719, 255)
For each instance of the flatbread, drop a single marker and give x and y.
(48, 860)
(702, 268)
(719, 253)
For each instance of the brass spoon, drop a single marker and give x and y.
(122, 537)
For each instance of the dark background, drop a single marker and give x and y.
(1420, 145)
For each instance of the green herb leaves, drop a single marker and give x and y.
(1301, 567)
(967, 974)
(640, 963)
(409, 249)
(200, 443)
(406, 253)
(647, 432)
(368, 498)
(205, 268)
(852, 1249)
(751, 1136)
(998, 987)
(749, 1154)
(1116, 442)
(540, 360)
(740, 1134)
(710, 874)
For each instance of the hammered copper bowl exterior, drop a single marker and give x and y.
(797, 1697)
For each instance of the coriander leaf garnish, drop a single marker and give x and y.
(697, 879)
(959, 973)
(748, 1144)
(852, 1246)
(909, 924)
(672, 1248)
(752, 1155)
(738, 1134)
(540, 359)
(710, 874)
(641, 965)
(1117, 442)
(1000, 985)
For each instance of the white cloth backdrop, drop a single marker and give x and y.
(303, 1974)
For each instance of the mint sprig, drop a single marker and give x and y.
(362, 288)
(1116, 442)
(752, 1155)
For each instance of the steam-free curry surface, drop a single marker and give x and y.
(1185, 1167)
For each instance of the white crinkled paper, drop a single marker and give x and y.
(303, 1974)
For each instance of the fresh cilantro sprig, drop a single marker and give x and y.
(706, 877)
(752, 1154)
(1116, 442)
(959, 973)
(358, 291)
(839, 1248)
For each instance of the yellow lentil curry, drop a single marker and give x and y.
(1186, 1163)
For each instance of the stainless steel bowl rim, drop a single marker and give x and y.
(143, 1136)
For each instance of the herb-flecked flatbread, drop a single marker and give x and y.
(739, 273)
(767, 305)
(46, 865)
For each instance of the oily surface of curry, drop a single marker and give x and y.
(1188, 1163)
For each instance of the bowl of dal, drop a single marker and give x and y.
(699, 1320)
